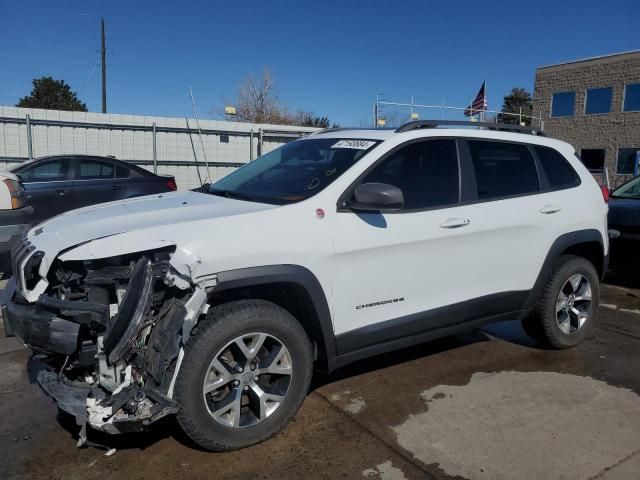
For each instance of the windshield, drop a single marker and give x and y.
(628, 190)
(294, 172)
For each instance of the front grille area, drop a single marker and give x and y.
(20, 251)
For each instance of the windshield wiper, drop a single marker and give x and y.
(233, 195)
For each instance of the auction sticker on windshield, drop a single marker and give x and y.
(356, 144)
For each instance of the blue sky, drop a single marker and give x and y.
(331, 57)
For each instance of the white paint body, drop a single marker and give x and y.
(501, 249)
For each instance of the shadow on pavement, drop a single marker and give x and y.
(510, 331)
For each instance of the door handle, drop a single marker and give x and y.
(60, 192)
(548, 209)
(115, 187)
(455, 223)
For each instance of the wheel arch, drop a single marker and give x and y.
(292, 287)
(586, 243)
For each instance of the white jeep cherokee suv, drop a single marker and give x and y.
(338, 246)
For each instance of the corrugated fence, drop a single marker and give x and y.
(167, 145)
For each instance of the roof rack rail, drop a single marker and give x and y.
(407, 127)
(327, 130)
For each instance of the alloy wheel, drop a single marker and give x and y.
(573, 305)
(247, 380)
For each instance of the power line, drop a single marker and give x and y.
(35, 57)
(41, 45)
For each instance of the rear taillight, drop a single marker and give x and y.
(171, 184)
(605, 193)
(17, 193)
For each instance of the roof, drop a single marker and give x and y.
(447, 131)
(364, 133)
(591, 59)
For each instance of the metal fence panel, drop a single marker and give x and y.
(146, 141)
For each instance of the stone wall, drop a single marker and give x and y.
(609, 131)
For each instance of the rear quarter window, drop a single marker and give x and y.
(560, 174)
(122, 172)
(503, 169)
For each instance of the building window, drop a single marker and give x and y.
(224, 138)
(593, 158)
(626, 160)
(562, 104)
(632, 97)
(598, 100)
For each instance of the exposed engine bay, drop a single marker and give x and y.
(111, 333)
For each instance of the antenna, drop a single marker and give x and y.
(204, 153)
(193, 148)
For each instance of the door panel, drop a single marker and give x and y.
(418, 265)
(48, 187)
(95, 182)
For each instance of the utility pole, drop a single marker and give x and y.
(103, 53)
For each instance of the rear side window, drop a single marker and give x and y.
(426, 172)
(54, 170)
(95, 170)
(558, 171)
(503, 169)
(122, 172)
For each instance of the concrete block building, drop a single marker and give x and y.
(594, 104)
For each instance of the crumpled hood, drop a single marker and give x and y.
(167, 209)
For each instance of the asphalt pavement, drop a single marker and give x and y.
(484, 405)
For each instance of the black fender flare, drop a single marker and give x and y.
(560, 245)
(322, 325)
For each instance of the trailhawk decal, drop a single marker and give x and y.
(377, 304)
(355, 144)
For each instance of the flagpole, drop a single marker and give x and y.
(484, 101)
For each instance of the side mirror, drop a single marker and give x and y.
(376, 197)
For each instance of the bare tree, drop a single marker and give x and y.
(258, 102)
(257, 99)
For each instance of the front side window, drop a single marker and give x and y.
(593, 158)
(95, 170)
(632, 97)
(562, 104)
(627, 160)
(294, 172)
(556, 168)
(426, 172)
(503, 169)
(54, 170)
(598, 100)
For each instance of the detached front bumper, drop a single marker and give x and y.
(39, 328)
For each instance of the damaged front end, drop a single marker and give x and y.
(111, 332)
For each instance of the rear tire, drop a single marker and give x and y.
(218, 354)
(566, 310)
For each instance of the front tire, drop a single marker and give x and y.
(245, 373)
(566, 310)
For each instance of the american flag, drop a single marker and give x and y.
(479, 104)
